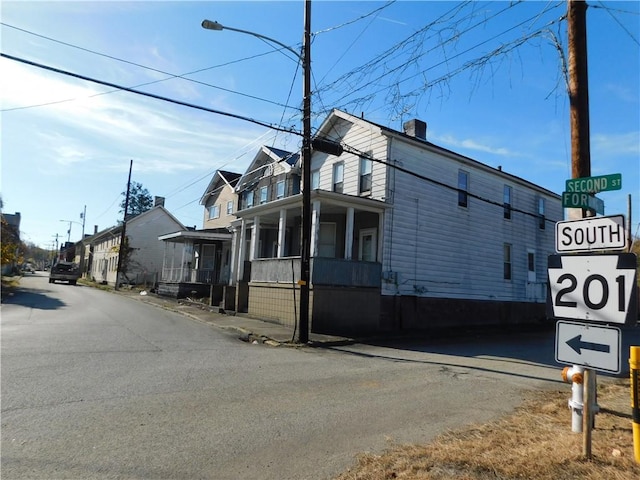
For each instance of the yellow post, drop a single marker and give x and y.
(634, 363)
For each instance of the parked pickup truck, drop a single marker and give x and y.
(64, 272)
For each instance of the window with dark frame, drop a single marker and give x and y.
(541, 218)
(365, 175)
(338, 177)
(463, 188)
(506, 200)
(507, 261)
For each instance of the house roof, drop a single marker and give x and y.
(160, 208)
(186, 235)
(221, 177)
(265, 156)
(327, 125)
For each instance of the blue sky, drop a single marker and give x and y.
(66, 143)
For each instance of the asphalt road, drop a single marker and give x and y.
(100, 386)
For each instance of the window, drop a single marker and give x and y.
(338, 177)
(541, 220)
(531, 265)
(507, 261)
(365, 175)
(263, 195)
(248, 199)
(280, 189)
(315, 179)
(327, 240)
(506, 200)
(463, 188)
(214, 211)
(229, 207)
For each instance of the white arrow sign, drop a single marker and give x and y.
(597, 288)
(591, 346)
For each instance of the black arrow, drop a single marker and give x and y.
(577, 344)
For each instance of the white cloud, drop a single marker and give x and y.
(471, 144)
(617, 144)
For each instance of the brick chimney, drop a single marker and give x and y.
(415, 128)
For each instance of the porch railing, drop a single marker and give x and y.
(324, 271)
(190, 275)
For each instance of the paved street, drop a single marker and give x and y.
(96, 385)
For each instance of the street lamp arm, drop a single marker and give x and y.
(209, 25)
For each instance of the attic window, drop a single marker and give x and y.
(268, 170)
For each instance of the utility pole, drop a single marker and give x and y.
(305, 257)
(123, 235)
(581, 162)
(579, 89)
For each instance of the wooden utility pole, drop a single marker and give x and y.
(123, 235)
(581, 160)
(579, 89)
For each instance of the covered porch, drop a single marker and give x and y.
(194, 261)
(346, 259)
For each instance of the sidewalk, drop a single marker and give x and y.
(248, 329)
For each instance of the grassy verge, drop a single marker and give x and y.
(534, 443)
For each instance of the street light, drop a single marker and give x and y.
(305, 257)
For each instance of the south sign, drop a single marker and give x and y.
(594, 233)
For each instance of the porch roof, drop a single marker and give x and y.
(332, 202)
(194, 236)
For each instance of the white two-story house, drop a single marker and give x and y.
(405, 235)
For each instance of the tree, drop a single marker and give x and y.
(140, 200)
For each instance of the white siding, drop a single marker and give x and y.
(143, 232)
(364, 139)
(436, 248)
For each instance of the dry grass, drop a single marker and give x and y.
(534, 443)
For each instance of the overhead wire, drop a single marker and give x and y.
(171, 76)
(150, 95)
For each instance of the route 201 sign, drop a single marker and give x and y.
(596, 288)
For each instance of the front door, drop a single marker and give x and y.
(368, 245)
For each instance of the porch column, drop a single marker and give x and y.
(380, 235)
(255, 237)
(164, 259)
(182, 275)
(233, 262)
(348, 235)
(315, 228)
(241, 249)
(282, 228)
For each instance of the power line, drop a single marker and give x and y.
(171, 76)
(150, 95)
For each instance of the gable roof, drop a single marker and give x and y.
(219, 179)
(160, 208)
(265, 156)
(325, 132)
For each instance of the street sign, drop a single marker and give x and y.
(591, 346)
(591, 233)
(596, 288)
(602, 183)
(582, 200)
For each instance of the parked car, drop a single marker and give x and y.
(65, 272)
